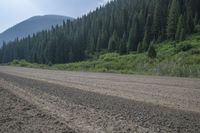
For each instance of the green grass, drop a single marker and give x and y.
(173, 59)
(23, 63)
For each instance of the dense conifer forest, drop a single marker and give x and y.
(121, 26)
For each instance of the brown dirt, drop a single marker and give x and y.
(178, 93)
(17, 115)
(99, 102)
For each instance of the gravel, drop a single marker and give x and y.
(19, 116)
(122, 114)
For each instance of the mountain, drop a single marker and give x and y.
(32, 25)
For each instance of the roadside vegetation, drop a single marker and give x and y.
(172, 59)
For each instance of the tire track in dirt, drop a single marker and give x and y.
(19, 116)
(152, 117)
(173, 92)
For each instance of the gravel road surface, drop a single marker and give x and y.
(98, 102)
(17, 115)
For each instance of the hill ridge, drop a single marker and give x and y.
(32, 25)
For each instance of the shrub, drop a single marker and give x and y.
(183, 47)
(152, 52)
(15, 62)
(194, 51)
(109, 57)
(24, 63)
(49, 63)
(197, 28)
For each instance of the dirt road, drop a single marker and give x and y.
(100, 102)
(17, 115)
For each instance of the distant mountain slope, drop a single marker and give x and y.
(30, 26)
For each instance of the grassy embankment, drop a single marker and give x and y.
(173, 59)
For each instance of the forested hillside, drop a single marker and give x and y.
(32, 25)
(121, 26)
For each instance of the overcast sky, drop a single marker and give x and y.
(15, 11)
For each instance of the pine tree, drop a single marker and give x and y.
(173, 19)
(113, 42)
(130, 40)
(71, 55)
(133, 39)
(91, 47)
(157, 24)
(99, 43)
(196, 19)
(139, 48)
(102, 41)
(147, 34)
(180, 26)
(189, 18)
(162, 36)
(111, 24)
(182, 35)
(140, 24)
(122, 46)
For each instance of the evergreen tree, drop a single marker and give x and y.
(157, 24)
(147, 34)
(102, 41)
(130, 40)
(111, 45)
(139, 32)
(182, 35)
(99, 43)
(91, 45)
(139, 48)
(189, 18)
(113, 42)
(196, 19)
(133, 39)
(122, 46)
(174, 14)
(162, 36)
(71, 55)
(180, 26)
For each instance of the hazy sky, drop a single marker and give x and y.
(15, 11)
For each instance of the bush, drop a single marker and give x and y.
(50, 63)
(180, 70)
(197, 28)
(15, 62)
(24, 63)
(152, 52)
(183, 47)
(109, 57)
(194, 51)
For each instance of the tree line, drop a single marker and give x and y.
(120, 26)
